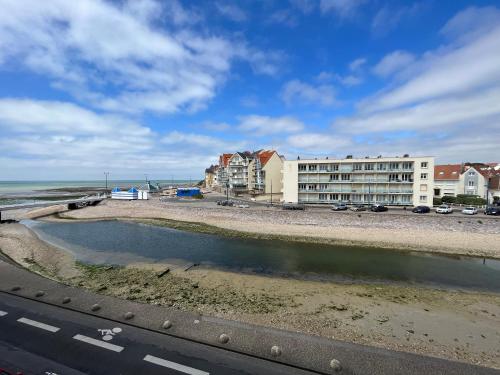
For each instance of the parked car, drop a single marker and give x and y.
(293, 206)
(358, 207)
(469, 211)
(378, 208)
(492, 210)
(444, 209)
(242, 205)
(421, 210)
(339, 207)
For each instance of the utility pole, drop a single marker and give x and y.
(227, 191)
(271, 191)
(146, 176)
(106, 174)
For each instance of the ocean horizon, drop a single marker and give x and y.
(38, 186)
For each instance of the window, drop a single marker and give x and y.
(323, 167)
(344, 197)
(335, 167)
(334, 197)
(406, 177)
(393, 177)
(471, 183)
(369, 167)
(472, 173)
(407, 165)
(323, 187)
(302, 186)
(322, 197)
(302, 167)
(334, 177)
(394, 166)
(423, 198)
(312, 167)
(423, 164)
(423, 176)
(381, 167)
(346, 177)
(358, 166)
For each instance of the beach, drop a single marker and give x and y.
(452, 324)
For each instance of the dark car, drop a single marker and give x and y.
(339, 207)
(492, 210)
(293, 206)
(421, 210)
(378, 208)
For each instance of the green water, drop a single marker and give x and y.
(116, 242)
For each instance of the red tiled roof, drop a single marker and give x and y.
(264, 156)
(224, 159)
(486, 170)
(447, 172)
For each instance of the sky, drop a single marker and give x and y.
(163, 87)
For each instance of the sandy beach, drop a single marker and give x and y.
(458, 325)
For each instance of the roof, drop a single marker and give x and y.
(265, 155)
(224, 159)
(485, 169)
(447, 171)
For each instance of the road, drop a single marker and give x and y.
(37, 338)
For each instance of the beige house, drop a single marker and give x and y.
(265, 174)
(211, 176)
(393, 181)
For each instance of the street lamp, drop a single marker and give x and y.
(106, 174)
(227, 191)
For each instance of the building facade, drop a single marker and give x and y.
(265, 173)
(393, 181)
(211, 176)
(467, 178)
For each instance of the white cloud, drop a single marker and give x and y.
(265, 125)
(393, 62)
(318, 142)
(450, 70)
(231, 11)
(149, 69)
(389, 17)
(472, 22)
(200, 141)
(296, 91)
(357, 64)
(343, 8)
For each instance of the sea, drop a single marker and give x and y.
(34, 188)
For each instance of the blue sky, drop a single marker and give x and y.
(163, 87)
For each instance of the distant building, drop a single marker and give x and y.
(467, 178)
(211, 176)
(265, 173)
(385, 180)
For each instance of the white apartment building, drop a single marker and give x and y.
(385, 180)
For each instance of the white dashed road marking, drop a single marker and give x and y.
(102, 344)
(36, 324)
(174, 366)
(3, 313)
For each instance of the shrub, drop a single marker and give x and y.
(448, 199)
(198, 196)
(470, 199)
(437, 201)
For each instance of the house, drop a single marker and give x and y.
(466, 178)
(265, 173)
(237, 171)
(386, 180)
(222, 175)
(211, 175)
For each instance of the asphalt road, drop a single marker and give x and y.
(36, 338)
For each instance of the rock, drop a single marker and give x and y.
(162, 272)
(410, 331)
(382, 319)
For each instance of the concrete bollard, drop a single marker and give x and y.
(66, 300)
(275, 351)
(335, 365)
(223, 339)
(167, 324)
(95, 307)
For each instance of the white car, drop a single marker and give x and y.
(444, 209)
(469, 211)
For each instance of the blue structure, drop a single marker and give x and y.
(131, 194)
(188, 192)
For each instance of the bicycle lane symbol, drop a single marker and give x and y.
(108, 334)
